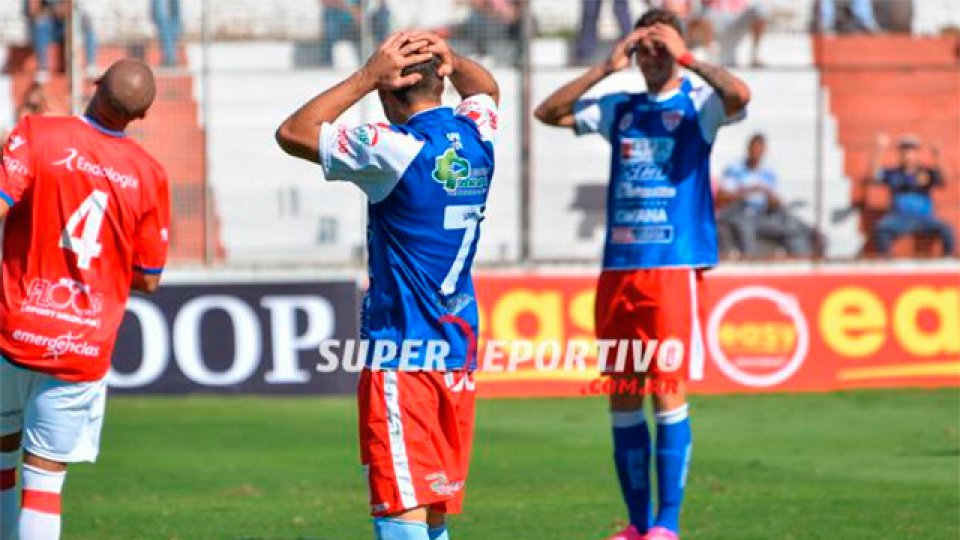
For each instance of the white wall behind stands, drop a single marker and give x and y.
(273, 208)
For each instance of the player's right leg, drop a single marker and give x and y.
(61, 424)
(617, 317)
(631, 454)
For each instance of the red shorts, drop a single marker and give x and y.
(416, 430)
(662, 304)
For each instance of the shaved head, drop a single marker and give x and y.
(124, 93)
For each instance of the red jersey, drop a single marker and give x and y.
(88, 206)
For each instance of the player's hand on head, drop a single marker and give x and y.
(669, 38)
(438, 46)
(386, 65)
(624, 50)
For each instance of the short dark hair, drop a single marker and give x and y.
(431, 83)
(758, 137)
(657, 15)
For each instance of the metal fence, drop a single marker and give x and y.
(230, 71)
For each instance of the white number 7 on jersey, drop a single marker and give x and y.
(86, 245)
(467, 217)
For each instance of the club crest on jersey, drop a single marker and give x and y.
(671, 119)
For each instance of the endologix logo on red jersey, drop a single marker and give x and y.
(76, 162)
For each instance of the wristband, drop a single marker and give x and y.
(686, 59)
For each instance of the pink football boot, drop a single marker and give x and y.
(661, 533)
(630, 533)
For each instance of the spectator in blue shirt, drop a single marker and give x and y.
(910, 184)
(754, 211)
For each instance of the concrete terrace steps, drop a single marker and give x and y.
(895, 84)
(171, 133)
(859, 52)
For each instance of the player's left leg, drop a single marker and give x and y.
(680, 320)
(14, 386)
(437, 525)
(673, 448)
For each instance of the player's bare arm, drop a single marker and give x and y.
(299, 134)
(732, 90)
(468, 77)
(880, 145)
(557, 109)
(145, 283)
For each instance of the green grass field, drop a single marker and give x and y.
(860, 465)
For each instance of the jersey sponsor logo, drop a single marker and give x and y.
(440, 485)
(641, 215)
(626, 190)
(16, 142)
(64, 300)
(58, 346)
(481, 116)
(76, 162)
(650, 234)
(671, 119)
(368, 135)
(14, 166)
(646, 159)
(646, 150)
(456, 175)
(626, 121)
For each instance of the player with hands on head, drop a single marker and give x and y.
(426, 175)
(661, 236)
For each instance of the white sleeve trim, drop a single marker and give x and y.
(372, 156)
(483, 111)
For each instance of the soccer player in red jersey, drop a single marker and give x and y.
(87, 212)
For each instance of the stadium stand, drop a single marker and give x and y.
(900, 84)
(259, 65)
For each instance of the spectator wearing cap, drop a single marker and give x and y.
(910, 183)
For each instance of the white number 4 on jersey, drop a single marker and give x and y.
(90, 216)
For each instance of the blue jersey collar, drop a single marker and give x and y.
(429, 115)
(99, 127)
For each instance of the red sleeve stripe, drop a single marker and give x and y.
(46, 502)
(8, 479)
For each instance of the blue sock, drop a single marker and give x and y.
(399, 529)
(438, 533)
(631, 454)
(674, 444)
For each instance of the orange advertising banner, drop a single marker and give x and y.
(810, 330)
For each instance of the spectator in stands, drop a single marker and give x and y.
(858, 16)
(340, 21)
(722, 24)
(490, 20)
(166, 15)
(34, 101)
(754, 211)
(589, 16)
(910, 184)
(48, 20)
